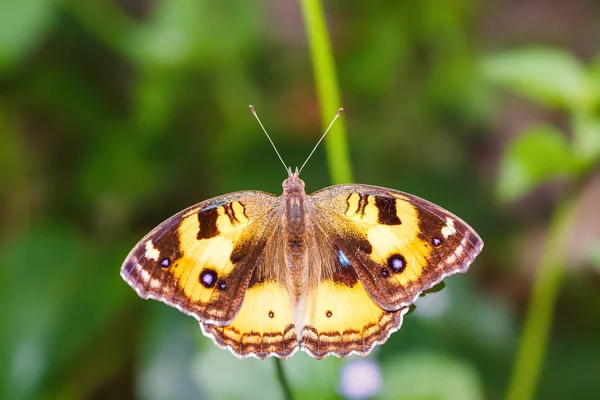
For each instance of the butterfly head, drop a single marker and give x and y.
(293, 183)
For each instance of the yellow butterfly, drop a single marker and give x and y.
(332, 272)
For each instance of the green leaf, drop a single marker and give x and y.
(23, 24)
(430, 376)
(547, 76)
(537, 155)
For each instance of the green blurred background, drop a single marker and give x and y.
(116, 114)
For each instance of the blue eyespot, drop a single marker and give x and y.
(343, 260)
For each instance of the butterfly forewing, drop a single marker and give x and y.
(201, 260)
(398, 244)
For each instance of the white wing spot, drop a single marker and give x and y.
(449, 229)
(457, 253)
(155, 283)
(152, 252)
(144, 275)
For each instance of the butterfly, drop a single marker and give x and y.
(330, 273)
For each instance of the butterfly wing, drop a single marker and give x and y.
(265, 324)
(398, 244)
(337, 314)
(201, 260)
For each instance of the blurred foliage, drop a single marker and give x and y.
(545, 75)
(522, 168)
(541, 153)
(115, 114)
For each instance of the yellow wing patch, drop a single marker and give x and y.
(263, 327)
(391, 226)
(211, 252)
(400, 234)
(206, 261)
(339, 317)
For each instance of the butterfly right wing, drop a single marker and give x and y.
(398, 244)
(201, 260)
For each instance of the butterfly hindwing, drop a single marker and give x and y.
(265, 324)
(340, 318)
(263, 327)
(201, 259)
(398, 244)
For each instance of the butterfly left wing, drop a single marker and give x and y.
(201, 259)
(265, 324)
(399, 245)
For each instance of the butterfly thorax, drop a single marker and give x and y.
(295, 211)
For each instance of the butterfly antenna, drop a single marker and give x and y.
(269, 137)
(322, 137)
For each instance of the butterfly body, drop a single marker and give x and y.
(294, 219)
(329, 273)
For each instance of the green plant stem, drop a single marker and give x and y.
(540, 312)
(281, 377)
(336, 144)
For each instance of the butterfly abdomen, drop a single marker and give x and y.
(295, 241)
